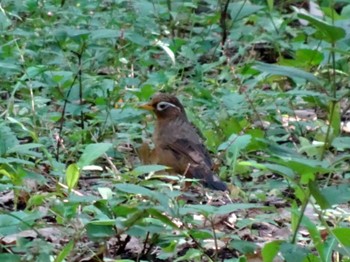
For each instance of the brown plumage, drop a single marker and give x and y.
(178, 144)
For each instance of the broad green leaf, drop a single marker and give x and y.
(326, 31)
(233, 101)
(293, 252)
(15, 222)
(244, 247)
(65, 251)
(315, 236)
(341, 143)
(306, 167)
(236, 143)
(105, 222)
(122, 115)
(187, 52)
(229, 208)
(92, 152)
(5, 21)
(77, 33)
(73, 198)
(135, 218)
(164, 219)
(191, 255)
(304, 58)
(282, 170)
(105, 33)
(135, 189)
(8, 139)
(212, 210)
(10, 258)
(25, 149)
(241, 9)
(72, 175)
(105, 192)
(99, 231)
(270, 250)
(13, 160)
(336, 195)
(200, 234)
(342, 235)
(148, 169)
(320, 198)
(136, 38)
(290, 72)
(9, 175)
(312, 150)
(10, 66)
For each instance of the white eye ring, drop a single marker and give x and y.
(164, 105)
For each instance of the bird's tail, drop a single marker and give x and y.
(209, 179)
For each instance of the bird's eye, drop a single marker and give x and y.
(164, 105)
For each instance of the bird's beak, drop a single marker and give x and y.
(147, 107)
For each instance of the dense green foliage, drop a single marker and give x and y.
(267, 84)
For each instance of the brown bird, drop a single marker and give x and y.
(178, 144)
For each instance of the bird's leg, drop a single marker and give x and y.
(186, 170)
(187, 184)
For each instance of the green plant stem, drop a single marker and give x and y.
(302, 211)
(333, 104)
(215, 239)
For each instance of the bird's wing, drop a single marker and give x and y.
(195, 153)
(198, 157)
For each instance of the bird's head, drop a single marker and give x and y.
(165, 106)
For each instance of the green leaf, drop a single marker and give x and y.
(341, 143)
(103, 222)
(292, 252)
(200, 234)
(134, 189)
(72, 175)
(342, 235)
(229, 208)
(65, 251)
(290, 72)
(10, 258)
(145, 169)
(270, 250)
(232, 101)
(191, 255)
(315, 236)
(212, 210)
(99, 231)
(282, 170)
(307, 168)
(326, 32)
(336, 120)
(123, 115)
(236, 143)
(104, 33)
(336, 195)
(136, 38)
(316, 193)
(92, 152)
(8, 139)
(241, 9)
(10, 66)
(25, 149)
(164, 219)
(244, 247)
(15, 222)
